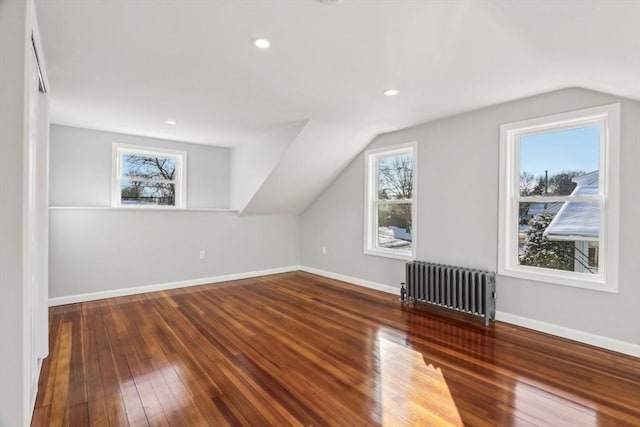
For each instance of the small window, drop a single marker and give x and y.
(390, 201)
(144, 177)
(558, 196)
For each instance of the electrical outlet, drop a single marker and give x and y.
(324, 250)
(203, 254)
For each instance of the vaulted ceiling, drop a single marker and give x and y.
(130, 65)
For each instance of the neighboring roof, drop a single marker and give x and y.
(577, 220)
(393, 237)
(590, 178)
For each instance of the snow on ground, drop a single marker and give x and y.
(393, 237)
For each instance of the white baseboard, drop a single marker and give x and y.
(561, 331)
(165, 286)
(354, 280)
(549, 328)
(572, 334)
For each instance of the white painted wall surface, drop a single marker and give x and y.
(251, 163)
(81, 168)
(458, 215)
(12, 103)
(103, 250)
(23, 221)
(307, 166)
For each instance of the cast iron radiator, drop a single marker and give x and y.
(462, 289)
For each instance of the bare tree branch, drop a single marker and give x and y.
(150, 167)
(395, 180)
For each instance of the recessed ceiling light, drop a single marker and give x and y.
(261, 43)
(171, 122)
(391, 92)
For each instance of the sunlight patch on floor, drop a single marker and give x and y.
(412, 391)
(163, 386)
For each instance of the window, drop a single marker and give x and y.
(390, 201)
(145, 177)
(559, 198)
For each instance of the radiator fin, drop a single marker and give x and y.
(458, 288)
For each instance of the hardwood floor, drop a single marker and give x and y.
(299, 349)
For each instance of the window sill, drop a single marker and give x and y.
(137, 209)
(574, 280)
(389, 254)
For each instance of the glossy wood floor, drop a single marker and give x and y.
(299, 349)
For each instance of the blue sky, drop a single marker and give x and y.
(139, 170)
(574, 149)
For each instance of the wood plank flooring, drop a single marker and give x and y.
(299, 349)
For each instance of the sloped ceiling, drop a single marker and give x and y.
(305, 168)
(129, 65)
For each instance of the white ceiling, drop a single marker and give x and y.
(129, 65)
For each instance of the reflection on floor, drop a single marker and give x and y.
(299, 349)
(413, 392)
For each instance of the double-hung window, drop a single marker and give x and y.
(146, 177)
(559, 198)
(390, 201)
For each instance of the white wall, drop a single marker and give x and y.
(94, 248)
(12, 104)
(81, 168)
(458, 216)
(284, 172)
(23, 215)
(251, 163)
(98, 250)
(318, 154)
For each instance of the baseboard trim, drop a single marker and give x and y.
(572, 334)
(165, 286)
(514, 319)
(549, 328)
(354, 280)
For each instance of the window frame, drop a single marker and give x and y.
(371, 201)
(180, 181)
(607, 117)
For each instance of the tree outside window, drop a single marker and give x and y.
(390, 205)
(144, 177)
(559, 198)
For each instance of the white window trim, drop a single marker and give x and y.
(607, 278)
(370, 213)
(180, 182)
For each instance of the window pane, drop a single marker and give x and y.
(394, 226)
(148, 167)
(147, 193)
(555, 163)
(395, 177)
(560, 236)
